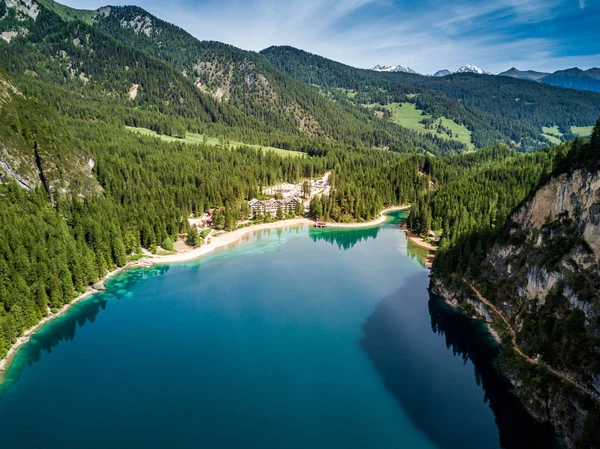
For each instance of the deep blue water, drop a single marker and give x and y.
(296, 338)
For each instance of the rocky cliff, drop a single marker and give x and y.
(539, 286)
(36, 150)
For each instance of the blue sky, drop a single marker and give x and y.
(426, 35)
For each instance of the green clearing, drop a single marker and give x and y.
(552, 133)
(553, 139)
(408, 116)
(69, 14)
(200, 139)
(582, 131)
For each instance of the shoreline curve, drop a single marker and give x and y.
(220, 241)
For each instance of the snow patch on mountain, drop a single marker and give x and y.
(471, 68)
(393, 68)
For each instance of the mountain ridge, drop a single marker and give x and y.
(573, 78)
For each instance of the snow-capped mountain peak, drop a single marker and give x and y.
(393, 68)
(471, 68)
(442, 72)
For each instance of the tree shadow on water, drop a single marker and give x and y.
(343, 238)
(64, 328)
(398, 341)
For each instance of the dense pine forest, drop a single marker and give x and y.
(494, 109)
(81, 195)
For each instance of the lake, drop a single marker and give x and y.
(294, 338)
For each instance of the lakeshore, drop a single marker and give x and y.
(24, 339)
(221, 241)
(165, 349)
(417, 240)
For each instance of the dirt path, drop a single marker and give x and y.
(536, 361)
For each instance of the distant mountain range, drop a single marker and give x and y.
(469, 68)
(574, 78)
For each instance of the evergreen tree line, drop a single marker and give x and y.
(147, 188)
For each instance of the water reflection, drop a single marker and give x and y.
(343, 238)
(346, 238)
(436, 394)
(417, 253)
(64, 328)
(470, 340)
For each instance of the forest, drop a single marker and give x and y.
(80, 195)
(494, 108)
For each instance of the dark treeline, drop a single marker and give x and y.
(472, 198)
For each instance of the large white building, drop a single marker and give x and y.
(264, 207)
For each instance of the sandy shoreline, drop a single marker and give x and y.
(225, 239)
(418, 240)
(220, 241)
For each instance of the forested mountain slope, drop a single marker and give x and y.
(80, 195)
(36, 150)
(487, 105)
(541, 272)
(246, 81)
(68, 55)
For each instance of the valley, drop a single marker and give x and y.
(256, 211)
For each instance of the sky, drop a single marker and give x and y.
(427, 35)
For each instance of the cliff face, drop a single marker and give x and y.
(35, 148)
(543, 275)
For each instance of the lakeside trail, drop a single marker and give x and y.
(535, 361)
(222, 240)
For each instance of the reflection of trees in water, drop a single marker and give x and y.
(64, 328)
(346, 238)
(392, 340)
(470, 340)
(417, 253)
(343, 238)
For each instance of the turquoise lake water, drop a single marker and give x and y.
(296, 338)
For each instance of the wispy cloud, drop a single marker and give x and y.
(427, 35)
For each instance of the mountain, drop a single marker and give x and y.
(524, 75)
(80, 194)
(594, 72)
(156, 75)
(248, 82)
(470, 68)
(442, 72)
(393, 68)
(574, 78)
(37, 149)
(493, 108)
(539, 286)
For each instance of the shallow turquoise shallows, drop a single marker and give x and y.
(296, 338)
